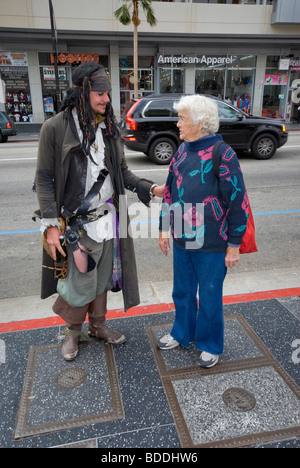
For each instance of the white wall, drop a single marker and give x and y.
(97, 15)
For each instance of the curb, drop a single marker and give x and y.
(146, 310)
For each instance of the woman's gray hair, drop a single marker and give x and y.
(202, 109)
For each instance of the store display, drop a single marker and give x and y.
(18, 106)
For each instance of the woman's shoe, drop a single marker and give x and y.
(167, 342)
(208, 360)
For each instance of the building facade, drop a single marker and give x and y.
(244, 51)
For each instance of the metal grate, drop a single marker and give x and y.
(71, 378)
(239, 399)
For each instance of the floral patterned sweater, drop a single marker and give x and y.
(204, 211)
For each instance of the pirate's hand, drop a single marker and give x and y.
(53, 241)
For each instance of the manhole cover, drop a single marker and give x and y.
(239, 399)
(71, 378)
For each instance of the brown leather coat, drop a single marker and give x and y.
(59, 142)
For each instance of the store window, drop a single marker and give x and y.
(230, 78)
(239, 82)
(171, 75)
(210, 81)
(49, 87)
(14, 73)
(145, 78)
(275, 89)
(239, 88)
(171, 80)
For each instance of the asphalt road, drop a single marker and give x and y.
(273, 187)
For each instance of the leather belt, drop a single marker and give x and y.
(89, 198)
(92, 193)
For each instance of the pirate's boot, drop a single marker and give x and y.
(97, 326)
(74, 317)
(69, 349)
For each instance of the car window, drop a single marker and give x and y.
(159, 109)
(227, 112)
(126, 109)
(2, 117)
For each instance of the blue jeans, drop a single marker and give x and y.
(203, 326)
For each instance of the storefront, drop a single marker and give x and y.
(275, 89)
(233, 78)
(227, 77)
(259, 84)
(66, 63)
(281, 88)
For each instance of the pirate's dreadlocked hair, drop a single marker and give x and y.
(79, 97)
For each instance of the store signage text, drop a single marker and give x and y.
(17, 59)
(49, 74)
(75, 58)
(276, 79)
(183, 59)
(296, 91)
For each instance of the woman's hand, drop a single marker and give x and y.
(232, 256)
(53, 241)
(158, 191)
(164, 242)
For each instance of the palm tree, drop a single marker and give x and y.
(124, 15)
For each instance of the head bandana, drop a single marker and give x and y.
(100, 81)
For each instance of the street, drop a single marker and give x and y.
(273, 187)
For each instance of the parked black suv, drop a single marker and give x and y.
(7, 127)
(149, 125)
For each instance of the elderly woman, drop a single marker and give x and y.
(208, 218)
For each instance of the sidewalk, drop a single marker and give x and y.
(21, 137)
(136, 396)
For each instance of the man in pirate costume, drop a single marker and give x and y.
(80, 177)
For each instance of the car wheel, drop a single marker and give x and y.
(162, 150)
(264, 146)
(3, 139)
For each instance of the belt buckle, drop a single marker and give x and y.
(103, 172)
(92, 216)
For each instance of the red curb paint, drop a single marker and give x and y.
(146, 310)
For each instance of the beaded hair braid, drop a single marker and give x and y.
(79, 97)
